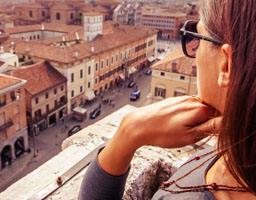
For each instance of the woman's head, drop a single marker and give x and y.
(233, 23)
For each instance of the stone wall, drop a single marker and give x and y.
(149, 168)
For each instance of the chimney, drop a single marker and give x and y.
(42, 28)
(76, 54)
(2, 49)
(77, 36)
(92, 49)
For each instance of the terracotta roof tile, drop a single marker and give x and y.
(47, 27)
(184, 65)
(6, 81)
(29, 5)
(114, 35)
(40, 77)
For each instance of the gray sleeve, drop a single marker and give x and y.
(99, 185)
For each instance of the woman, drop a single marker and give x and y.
(223, 42)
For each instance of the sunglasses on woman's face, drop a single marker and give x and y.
(190, 39)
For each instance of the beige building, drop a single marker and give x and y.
(46, 95)
(13, 124)
(175, 75)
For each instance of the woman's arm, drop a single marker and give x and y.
(173, 122)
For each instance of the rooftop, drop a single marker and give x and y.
(183, 63)
(39, 77)
(113, 36)
(7, 81)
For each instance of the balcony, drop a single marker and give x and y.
(6, 125)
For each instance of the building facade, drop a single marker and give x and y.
(166, 22)
(45, 103)
(175, 75)
(13, 124)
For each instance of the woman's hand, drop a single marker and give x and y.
(173, 122)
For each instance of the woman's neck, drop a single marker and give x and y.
(219, 174)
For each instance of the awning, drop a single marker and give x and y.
(90, 96)
(181, 90)
(122, 76)
(80, 110)
(151, 59)
(132, 70)
(160, 86)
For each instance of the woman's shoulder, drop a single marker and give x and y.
(189, 176)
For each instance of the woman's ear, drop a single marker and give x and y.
(225, 68)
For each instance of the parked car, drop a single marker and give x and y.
(131, 84)
(135, 95)
(148, 72)
(95, 113)
(74, 130)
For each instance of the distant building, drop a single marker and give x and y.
(175, 75)
(62, 12)
(13, 123)
(127, 13)
(46, 95)
(168, 24)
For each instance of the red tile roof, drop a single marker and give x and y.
(114, 35)
(40, 77)
(47, 27)
(29, 5)
(183, 63)
(7, 81)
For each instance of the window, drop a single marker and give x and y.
(62, 88)
(72, 93)
(30, 13)
(55, 91)
(89, 84)
(16, 109)
(37, 100)
(43, 13)
(2, 100)
(81, 73)
(38, 113)
(58, 16)
(81, 88)
(96, 67)
(159, 92)
(182, 77)
(96, 80)
(55, 103)
(72, 77)
(102, 64)
(13, 96)
(46, 95)
(47, 108)
(71, 16)
(162, 73)
(107, 62)
(106, 86)
(89, 70)
(112, 59)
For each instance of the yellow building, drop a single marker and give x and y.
(175, 75)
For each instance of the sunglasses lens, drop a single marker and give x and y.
(191, 43)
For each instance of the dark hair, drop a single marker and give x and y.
(234, 22)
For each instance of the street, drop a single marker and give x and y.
(48, 143)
